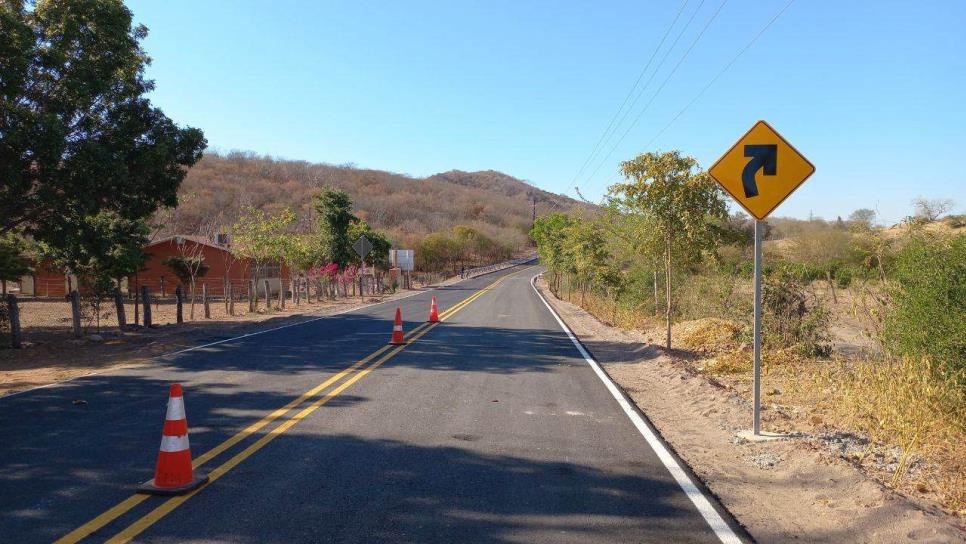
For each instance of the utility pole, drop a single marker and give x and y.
(533, 218)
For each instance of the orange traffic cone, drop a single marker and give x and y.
(174, 474)
(434, 312)
(397, 332)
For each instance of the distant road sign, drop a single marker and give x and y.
(402, 258)
(761, 170)
(362, 246)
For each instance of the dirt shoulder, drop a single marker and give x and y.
(786, 490)
(55, 357)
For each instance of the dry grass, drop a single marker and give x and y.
(905, 403)
(708, 335)
(609, 313)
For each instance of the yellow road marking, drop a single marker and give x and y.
(169, 505)
(124, 506)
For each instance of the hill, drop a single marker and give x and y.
(408, 208)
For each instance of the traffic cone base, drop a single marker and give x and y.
(151, 488)
(433, 312)
(397, 331)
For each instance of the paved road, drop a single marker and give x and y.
(490, 427)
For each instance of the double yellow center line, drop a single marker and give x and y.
(354, 373)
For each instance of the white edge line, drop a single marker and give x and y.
(718, 525)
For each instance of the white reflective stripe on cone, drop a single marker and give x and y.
(175, 409)
(397, 328)
(174, 443)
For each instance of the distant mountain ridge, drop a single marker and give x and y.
(492, 180)
(219, 187)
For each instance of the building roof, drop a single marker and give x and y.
(191, 237)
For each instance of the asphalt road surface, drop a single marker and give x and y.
(488, 427)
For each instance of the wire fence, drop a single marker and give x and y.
(480, 270)
(40, 319)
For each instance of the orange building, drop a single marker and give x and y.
(224, 268)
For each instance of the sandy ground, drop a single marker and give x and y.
(785, 490)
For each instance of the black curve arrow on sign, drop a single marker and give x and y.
(763, 157)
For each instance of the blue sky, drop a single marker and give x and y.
(870, 91)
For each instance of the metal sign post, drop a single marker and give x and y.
(759, 228)
(759, 171)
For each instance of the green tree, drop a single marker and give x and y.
(188, 268)
(14, 261)
(586, 249)
(335, 219)
(301, 253)
(680, 202)
(550, 233)
(928, 312)
(77, 134)
(863, 218)
(101, 250)
(262, 238)
(104, 247)
(435, 252)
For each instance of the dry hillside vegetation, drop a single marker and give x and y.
(219, 187)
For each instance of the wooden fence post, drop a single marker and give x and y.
(252, 296)
(146, 305)
(205, 300)
(75, 313)
(268, 297)
(16, 336)
(231, 300)
(179, 304)
(119, 306)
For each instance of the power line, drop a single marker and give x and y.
(658, 92)
(630, 93)
(720, 73)
(660, 65)
(605, 136)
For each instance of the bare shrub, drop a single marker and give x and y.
(790, 320)
(931, 209)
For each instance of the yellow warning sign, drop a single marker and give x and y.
(761, 170)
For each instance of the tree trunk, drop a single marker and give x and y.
(136, 291)
(205, 300)
(75, 313)
(667, 278)
(657, 303)
(191, 303)
(179, 304)
(16, 335)
(4, 283)
(146, 303)
(831, 285)
(119, 307)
